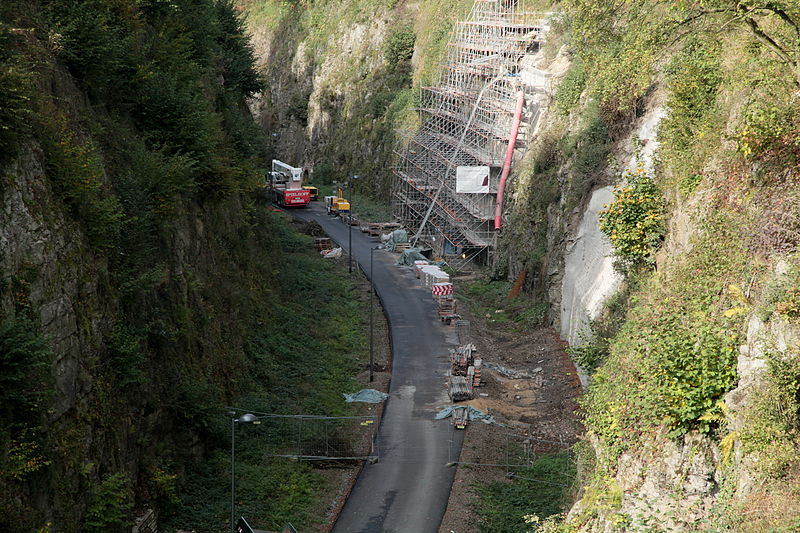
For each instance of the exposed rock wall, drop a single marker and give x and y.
(93, 422)
(589, 275)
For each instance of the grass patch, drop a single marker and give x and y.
(489, 300)
(310, 345)
(536, 492)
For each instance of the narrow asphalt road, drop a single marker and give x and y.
(408, 488)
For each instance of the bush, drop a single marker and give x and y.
(675, 356)
(399, 46)
(694, 78)
(110, 505)
(75, 165)
(16, 90)
(772, 431)
(569, 91)
(23, 363)
(634, 221)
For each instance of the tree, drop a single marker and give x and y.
(774, 24)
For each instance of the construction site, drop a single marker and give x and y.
(475, 123)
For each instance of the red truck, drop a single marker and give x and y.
(286, 184)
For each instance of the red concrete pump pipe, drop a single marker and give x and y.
(512, 142)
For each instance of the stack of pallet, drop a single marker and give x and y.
(460, 389)
(476, 374)
(376, 229)
(465, 365)
(418, 264)
(460, 417)
(461, 359)
(323, 244)
(432, 274)
(446, 308)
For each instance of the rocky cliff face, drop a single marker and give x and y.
(126, 293)
(117, 398)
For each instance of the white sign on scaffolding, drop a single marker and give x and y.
(472, 180)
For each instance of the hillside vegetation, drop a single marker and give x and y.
(707, 242)
(143, 284)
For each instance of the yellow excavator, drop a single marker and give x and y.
(338, 205)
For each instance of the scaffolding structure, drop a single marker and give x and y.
(465, 122)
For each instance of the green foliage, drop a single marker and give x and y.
(324, 173)
(590, 352)
(770, 132)
(490, 300)
(571, 87)
(110, 505)
(24, 457)
(370, 210)
(694, 78)
(76, 167)
(16, 90)
(399, 46)
(789, 306)
(270, 492)
(127, 355)
(306, 344)
(675, 356)
(175, 69)
(595, 344)
(588, 149)
(537, 492)
(772, 431)
(164, 488)
(618, 46)
(23, 363)
(235, 55)
(634, 221)
(436, 20)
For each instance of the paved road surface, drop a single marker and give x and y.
(406, 491)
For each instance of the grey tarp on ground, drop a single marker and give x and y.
(395, 237)
(366, 395)
(407, 257)
(472, 413)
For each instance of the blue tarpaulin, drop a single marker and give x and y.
(366, 396)
(472, 413)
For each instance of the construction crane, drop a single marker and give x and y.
(286, 185)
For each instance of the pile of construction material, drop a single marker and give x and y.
(396, 241)
(376, 229)
(465, 372)
(446, 305)
(459, 390)
(323, 244)
(441, 289)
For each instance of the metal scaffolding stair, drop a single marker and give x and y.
(466, 120)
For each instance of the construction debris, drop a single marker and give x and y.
(376, 229)
(410, 257)
(398, 237)
(510, 372)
